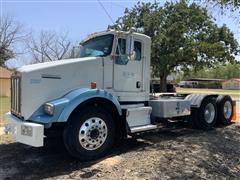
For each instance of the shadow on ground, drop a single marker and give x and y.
(177, 149)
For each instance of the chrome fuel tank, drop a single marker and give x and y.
(168, 107)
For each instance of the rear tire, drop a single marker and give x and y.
(225, 109)
(89, 134)
(205, 116)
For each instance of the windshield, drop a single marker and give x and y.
(97, 47)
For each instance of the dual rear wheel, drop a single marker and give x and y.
(225, 109)
(212, 111)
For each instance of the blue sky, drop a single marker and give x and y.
(78, 17)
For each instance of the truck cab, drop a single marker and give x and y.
(101, 94)
(126, 63)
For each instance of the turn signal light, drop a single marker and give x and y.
(93, 85)
(49, 108)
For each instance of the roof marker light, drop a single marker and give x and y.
(93, 85)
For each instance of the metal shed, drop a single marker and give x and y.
(233, 84)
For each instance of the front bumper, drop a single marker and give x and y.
(25, 132)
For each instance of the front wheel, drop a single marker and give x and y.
(89, 134)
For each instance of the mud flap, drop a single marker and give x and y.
(234, 116)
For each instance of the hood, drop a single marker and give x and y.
(45, 82)
(42, 66)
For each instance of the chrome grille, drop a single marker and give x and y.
(16, 95)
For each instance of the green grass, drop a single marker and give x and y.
(4, 107)
(218, 91)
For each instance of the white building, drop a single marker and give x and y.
(233, 83)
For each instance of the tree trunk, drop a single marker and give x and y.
(163, 82)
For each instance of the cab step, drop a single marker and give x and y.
(143, 128)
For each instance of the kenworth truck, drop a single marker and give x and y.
(102, 94)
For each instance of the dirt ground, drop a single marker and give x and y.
(176, 152)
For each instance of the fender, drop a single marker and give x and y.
(64, 106)
(196, 99)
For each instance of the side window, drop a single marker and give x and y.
(121, 52)
(138, 50)
(122, 46)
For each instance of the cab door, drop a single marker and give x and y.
(128, 74)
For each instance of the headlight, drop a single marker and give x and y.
(49, 108)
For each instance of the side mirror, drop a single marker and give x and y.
(130, 47)
(132, 56)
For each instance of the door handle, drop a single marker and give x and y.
(138, 84)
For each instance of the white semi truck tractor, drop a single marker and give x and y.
(101, 94)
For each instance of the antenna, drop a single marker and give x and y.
(105, 10)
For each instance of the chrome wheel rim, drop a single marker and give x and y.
(209, 113)
(93, 133)
(227, 109)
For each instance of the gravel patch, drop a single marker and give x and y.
(174, 153)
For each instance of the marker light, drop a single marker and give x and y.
(92, 34)
(93, 85)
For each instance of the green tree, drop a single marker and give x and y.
(221, 71)
(183, 36)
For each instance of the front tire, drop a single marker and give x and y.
(89, 134)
